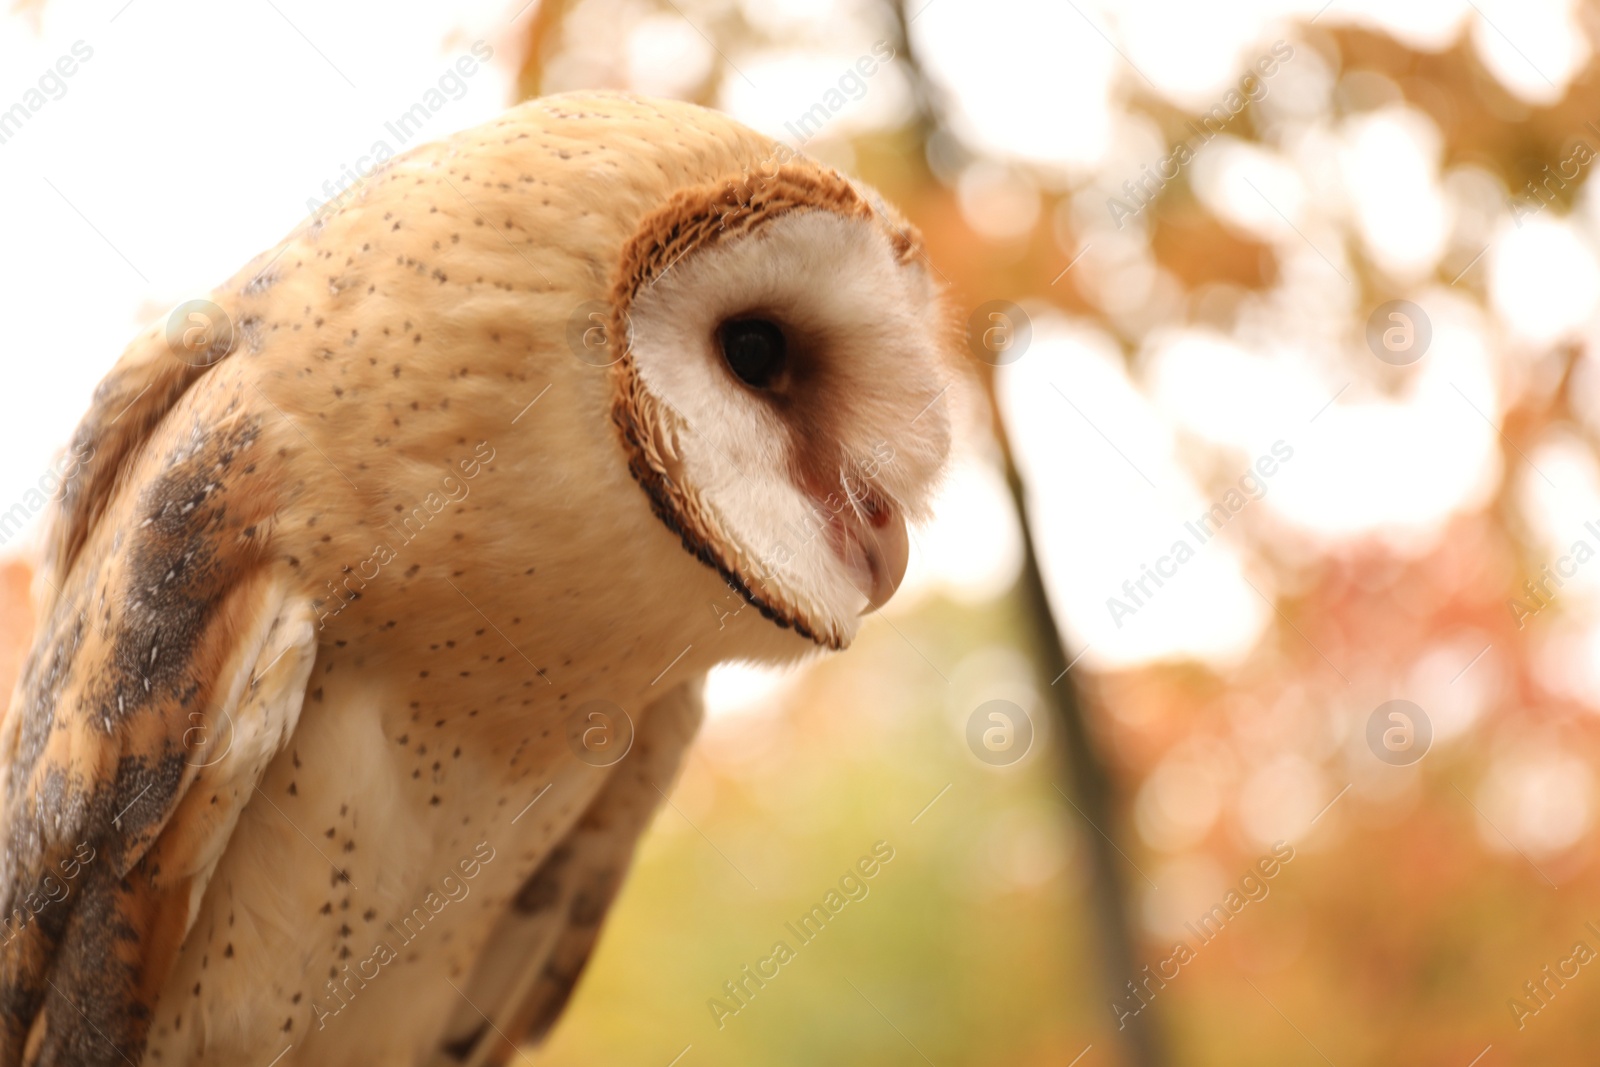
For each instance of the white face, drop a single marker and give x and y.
(801, 371)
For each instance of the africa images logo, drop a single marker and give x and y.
(853, 885)
(1252, 485)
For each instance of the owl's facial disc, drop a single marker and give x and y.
(780, 395)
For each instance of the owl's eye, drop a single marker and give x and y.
(754, 349)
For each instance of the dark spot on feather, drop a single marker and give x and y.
(462, 1047)
(543, 889)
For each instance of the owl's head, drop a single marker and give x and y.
(782, 388)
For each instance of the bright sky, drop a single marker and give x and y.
(172, 154)
(187, 141)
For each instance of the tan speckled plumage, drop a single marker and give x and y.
(318, 620)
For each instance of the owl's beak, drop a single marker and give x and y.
(888, 549)
(869, 537)
(875, 548)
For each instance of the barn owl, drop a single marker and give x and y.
(373, 625)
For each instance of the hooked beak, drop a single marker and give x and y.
(875, 548)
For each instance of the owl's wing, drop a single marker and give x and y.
(168, 668)
(540, 946)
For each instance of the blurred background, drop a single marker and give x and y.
(1288, 313)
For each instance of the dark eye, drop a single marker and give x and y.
(754, 349)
